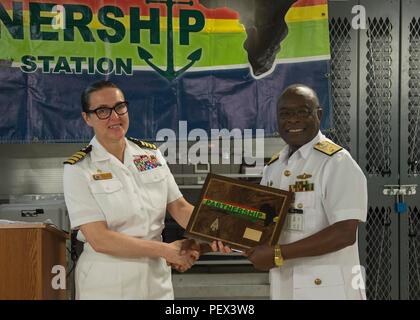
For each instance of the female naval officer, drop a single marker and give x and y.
(117, 191)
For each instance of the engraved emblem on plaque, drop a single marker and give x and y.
(215, 225)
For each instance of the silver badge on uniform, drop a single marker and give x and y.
(295, 220)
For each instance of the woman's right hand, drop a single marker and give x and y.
(180, 261)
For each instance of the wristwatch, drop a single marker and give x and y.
(278, 259)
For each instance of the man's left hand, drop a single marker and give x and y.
(262, 257)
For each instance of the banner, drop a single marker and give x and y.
(216, 64)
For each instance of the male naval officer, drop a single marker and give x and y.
(317, 255)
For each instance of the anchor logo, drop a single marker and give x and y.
(170, 73)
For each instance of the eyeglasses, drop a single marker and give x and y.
(103, 113)
(299, 113)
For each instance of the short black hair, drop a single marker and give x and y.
(96, 86)
(297, 89)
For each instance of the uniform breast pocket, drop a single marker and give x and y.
(324, 282)
(305, 200)
(307, 203)
(155, 186)
(106, 186)
(110, 197)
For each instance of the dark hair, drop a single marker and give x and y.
(294, 89)
(96, 86)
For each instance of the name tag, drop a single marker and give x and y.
(295, 222)
(102, 176)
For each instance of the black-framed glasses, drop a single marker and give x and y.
(103, 112)
(299, 113)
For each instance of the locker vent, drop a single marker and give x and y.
(378, 102)
(340, 37)
(378, 253)
(414, 253)
(414, 99)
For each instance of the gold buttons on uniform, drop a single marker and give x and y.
(318, 281)
(300, 206)
(287, 173)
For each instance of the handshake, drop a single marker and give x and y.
(184, 253)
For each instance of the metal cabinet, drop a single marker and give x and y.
(375, 76)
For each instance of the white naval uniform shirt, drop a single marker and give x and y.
(339, 193)
(132, 202)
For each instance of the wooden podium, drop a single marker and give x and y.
(28, 253)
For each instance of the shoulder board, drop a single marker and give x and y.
(79, 155)
(143, 144)
(327, 147)
(273, 159)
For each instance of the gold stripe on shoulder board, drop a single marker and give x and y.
(75, 158)
(273, 159)
(327, 147)
(79, 155)
(143, 144)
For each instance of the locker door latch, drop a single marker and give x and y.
(399, 191)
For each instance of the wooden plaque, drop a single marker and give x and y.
(238, 213)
